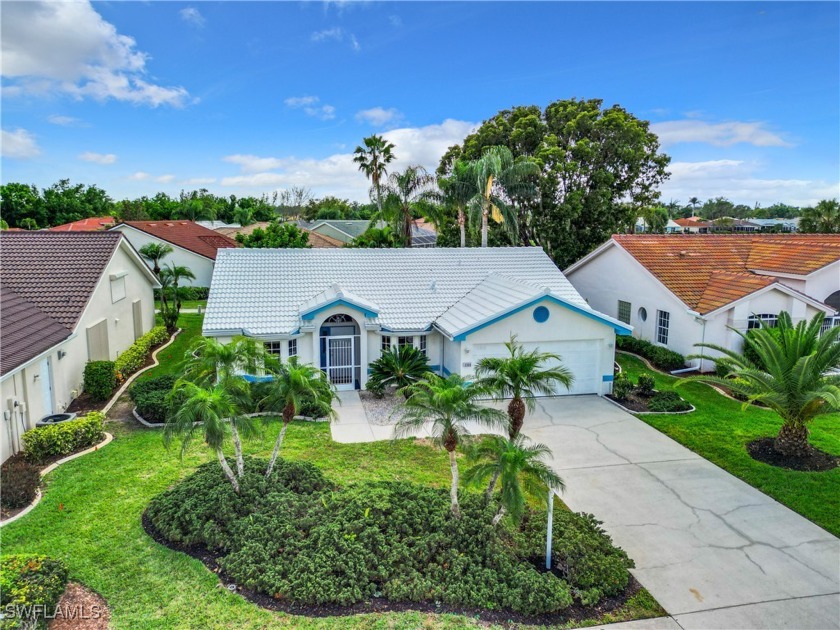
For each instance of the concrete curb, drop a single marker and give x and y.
(49, 469)
(651, 413)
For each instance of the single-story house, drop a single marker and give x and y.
(66, 298)
(91, 224)
(348, 230)
(339, 309)
(315, 239)
(680, 290)
(193, 246)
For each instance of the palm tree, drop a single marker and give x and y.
(521, 376)
(824, 218)
(176, 273)
(404, 192)
(211, 412)
(496, 169)
(243, 216)
(153, 253)
(693, 202)
(208, 361)
(456, 192)
(372, 160)
(399, 368)
(793, 379)
(520, 468)
(293, 384)
(447, 404)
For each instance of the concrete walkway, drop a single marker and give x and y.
(713, 550)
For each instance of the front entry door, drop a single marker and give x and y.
(340, 368)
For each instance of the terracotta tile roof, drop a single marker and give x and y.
(86, 225)
(691, 222)
(187, 234)
(56, 271)
(25, 331)
(707, 271)
(316, 240)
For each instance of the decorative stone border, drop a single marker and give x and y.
(49, 469)
(160, 425)
(651, 413)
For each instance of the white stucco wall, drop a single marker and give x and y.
(823, 282)
(202, 267)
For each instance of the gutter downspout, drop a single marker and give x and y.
(697, 318)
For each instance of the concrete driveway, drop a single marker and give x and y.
(714, 551)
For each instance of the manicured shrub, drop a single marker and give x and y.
(668, 402)
(19, 482)
(162, 383)
(153, 406)
(30, 587)
(136, 354)
(397, 368)
(662, 358)
(57, 440)
(645, 385)
(100, 379)
(622, 386)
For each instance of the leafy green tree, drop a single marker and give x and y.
(154, 253)
(656, 219)
(399, 368)
(276, 235)
(447, 404)
(793, 375)
(404, 193)
(243, 215)
(28, 223)
(293, 384)
(521, 376)
(717, 208)
(375, 237)
(824, 218)
(127, 210)
(520, 468)
(373, 158)
(21, 201)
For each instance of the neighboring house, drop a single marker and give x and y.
(218, 225)
(670, 227)
(694, 225)
(66, 298)
(777, 225)
(315, 239)
(680, 290)
(193, 246)
(347, 231)
(92, 224)
(340, 308)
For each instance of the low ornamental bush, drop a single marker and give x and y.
(298, 538)
(57, 440)
(399, 367)
(622, 386)
(662, 358)
(152, 397)
(19, 482)
(162, 383)
(645, 385)
(136, 354)
(100, 379)
(30, 587)
(667, 402)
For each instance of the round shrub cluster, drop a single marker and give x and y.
(30, 587)
(668, 402)
(149, 396)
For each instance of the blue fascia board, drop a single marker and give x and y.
(620, 330)
(339, 302)
(607, 378)
(445, 371)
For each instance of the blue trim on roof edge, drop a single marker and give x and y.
(338, 302)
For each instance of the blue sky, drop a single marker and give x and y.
(248, 98)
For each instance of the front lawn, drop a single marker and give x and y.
(188, 305)
(170, 358)
(719, 431)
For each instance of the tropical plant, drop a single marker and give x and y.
(823, 218)
(796, 380)
(372, 159)
(154, 253)
(176, 274)
(497, 177)
(518, 466)
(521, 376)
(375, 237)
(447, 404)
(456, 190)
(276, 235)
(693, 202)
(28, 223)
(208, 361)
(292, 385)
(244, 216)
(404, 194)
(399, 368)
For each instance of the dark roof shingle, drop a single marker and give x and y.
(187, 234)
(25, 331)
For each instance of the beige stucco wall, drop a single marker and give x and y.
(202, 267)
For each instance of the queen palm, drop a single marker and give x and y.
(154, 253)
(520, 468)
(404, 193)
(521, 376)
(176, 273)
(497, 177)
(372, 159)
(208, 361)
(447, 404)
(456, 190)
(792, 376)
(292, 385)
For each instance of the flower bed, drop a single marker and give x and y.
(641, 397)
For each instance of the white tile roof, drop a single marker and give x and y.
(262, 291)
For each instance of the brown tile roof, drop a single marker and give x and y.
(691, 223)
(316, 240)
(86, 225)
(187, 234)
(25, 331)
(708, 271)
(56, 271)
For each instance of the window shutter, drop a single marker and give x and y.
(97, 338)
(137, 311)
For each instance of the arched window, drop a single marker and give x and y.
(833, 301)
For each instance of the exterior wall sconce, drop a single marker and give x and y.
(61, 354)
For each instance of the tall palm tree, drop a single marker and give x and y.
(518, 465)
(497, 178)
(372, 159)
(521, 376)
(212, 413)
(154, 253)
(796, 380)
(456, 190)
(404, 192)
(293, 384)
(447, 404)
(208, 361)
(693, 202)
(176, 273)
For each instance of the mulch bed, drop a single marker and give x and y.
(633, 402)
(819, 461)
(80, 608)
(505, 618)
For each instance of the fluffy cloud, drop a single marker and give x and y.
(723, 134)
(378, 116)
(253, 163)
(336, 34)
(199, 181)
(139, 176)
(192, 16)
(311, 106)
(19, 144)
(98, 158)
(66, 47)
(65, 121)
(165, 179)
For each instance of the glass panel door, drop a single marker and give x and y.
(340, 362)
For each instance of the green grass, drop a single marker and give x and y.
(719, 431)
(171, 357)
(189, 304)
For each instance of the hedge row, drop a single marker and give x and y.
(135, 356)
(30, 588)
(63, 438)
(664, 359)
(149, 396)
(100, 379)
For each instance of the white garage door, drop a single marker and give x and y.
(581, 357)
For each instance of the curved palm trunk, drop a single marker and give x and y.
(462, 227)
(516, 413)
(485, 215)
(792, 440)
(499, 515)
(228, 472)
(453, 491)
(492, 485)
(237, 446)
(288, 416)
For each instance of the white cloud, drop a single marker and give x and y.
(311, 106)
(19, 144)
(67, 48)
(165, 179)
(192, 16)
(723, 134)
(139, 176)
(199, 181)
(65, 121)
(336, 34)
(378, 116)
(253, 163)
(98, 158)
(742, 182)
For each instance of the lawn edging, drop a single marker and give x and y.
(107, 440)
(160, 425)
(651, 413)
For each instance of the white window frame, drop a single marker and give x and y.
(385, 344)
(629, 307)
(293, 348)
(422, 345)
(274, 347)
(405, 340)
(663, 324)
(756, 319)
